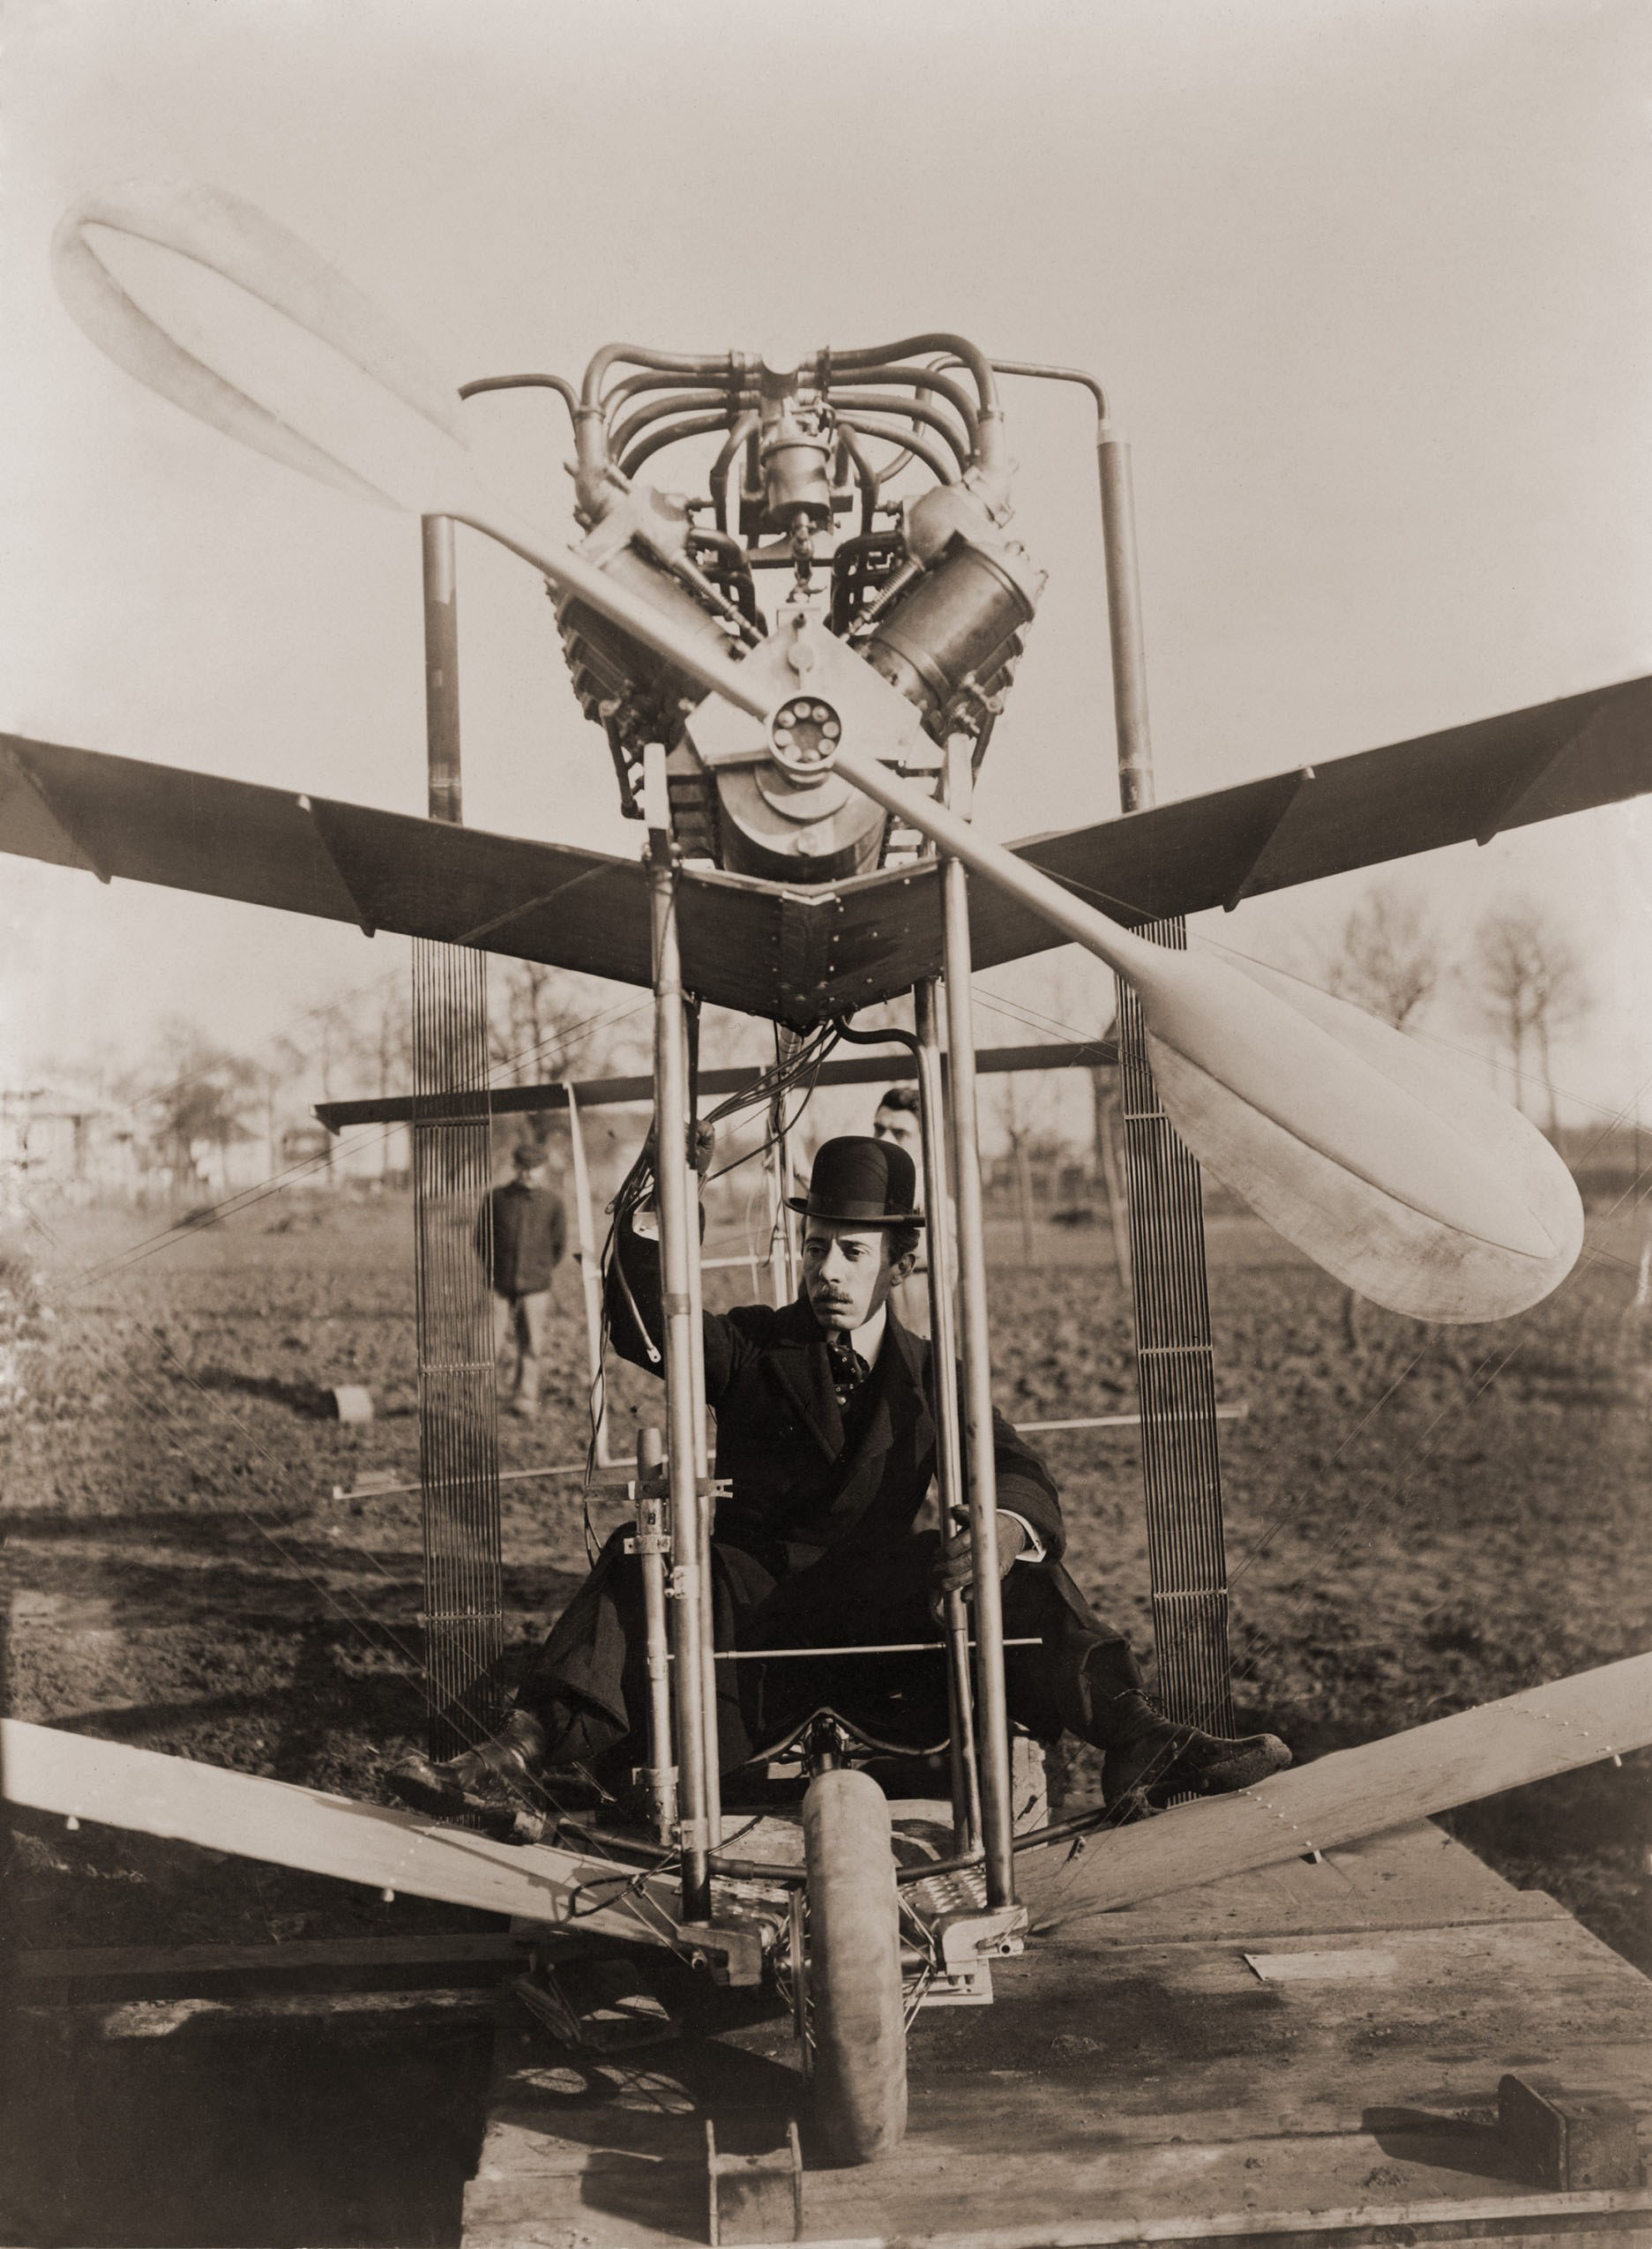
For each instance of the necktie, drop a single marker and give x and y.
(848, 1369)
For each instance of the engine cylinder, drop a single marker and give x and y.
(608, 660)
(959, 622)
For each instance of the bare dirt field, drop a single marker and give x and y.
(1417, 1521)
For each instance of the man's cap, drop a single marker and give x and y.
(529, 1156)
(858, 1181)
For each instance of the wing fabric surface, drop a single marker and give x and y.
(1356, 1792)
(1465, 784)
(794, 954)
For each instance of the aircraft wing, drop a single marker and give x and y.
(1338, 1799)
(1356, 1792)
(796, 954)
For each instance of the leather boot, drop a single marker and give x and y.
(1149, 1758)
(499, 1776)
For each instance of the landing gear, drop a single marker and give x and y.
(856, 2003)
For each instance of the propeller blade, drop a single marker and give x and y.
(1383, 1163)
(212, 304)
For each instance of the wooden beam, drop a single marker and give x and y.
(608, 1093)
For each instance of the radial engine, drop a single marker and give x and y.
(867, 493)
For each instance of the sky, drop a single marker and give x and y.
(1369, 283)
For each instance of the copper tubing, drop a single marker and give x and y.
(944, 471)
(1124, 622)
(634, 385)
(928, 379)
(717, 483)
(557, 383)
(865, 476)
(1124, 592)
(678, 402)
(709, 367)
(958, 347)
(441, 671)
(696, 425)
(869, 402)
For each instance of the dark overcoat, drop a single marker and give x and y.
(520, 1235)
(821, 1540)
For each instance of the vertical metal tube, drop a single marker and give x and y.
(685, 1408)
(954, 1503)
(992, 1707)
(590, 1279)
(1124, 622)
(651, 1551)
(702, 1470)
(441, 670)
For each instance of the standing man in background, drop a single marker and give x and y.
(521, 1233)
(898, 1120)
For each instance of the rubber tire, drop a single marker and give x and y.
(860, 2040)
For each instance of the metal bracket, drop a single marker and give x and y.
(969, 1942)
(1571, 2143)
(734, 1950)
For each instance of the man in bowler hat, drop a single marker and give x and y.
(826, 1433)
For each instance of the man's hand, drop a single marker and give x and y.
(955, 1566)
(705, 1147)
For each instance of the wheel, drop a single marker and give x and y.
(860, 2039)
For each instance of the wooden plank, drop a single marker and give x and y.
(1185, 2048)
(1526, 1737)
(1243, 2193)
(1109, 2087)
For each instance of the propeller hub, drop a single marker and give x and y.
(805, 733)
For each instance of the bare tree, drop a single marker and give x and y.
(1018, 1133)
(202, 1105)
(534, 1011)
(1529, 985)
(1388, 958)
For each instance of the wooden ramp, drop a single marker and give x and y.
(1310, 2054)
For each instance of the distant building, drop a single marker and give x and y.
(68, 1140)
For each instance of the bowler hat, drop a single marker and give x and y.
(529, 1156)
(857, 1181)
